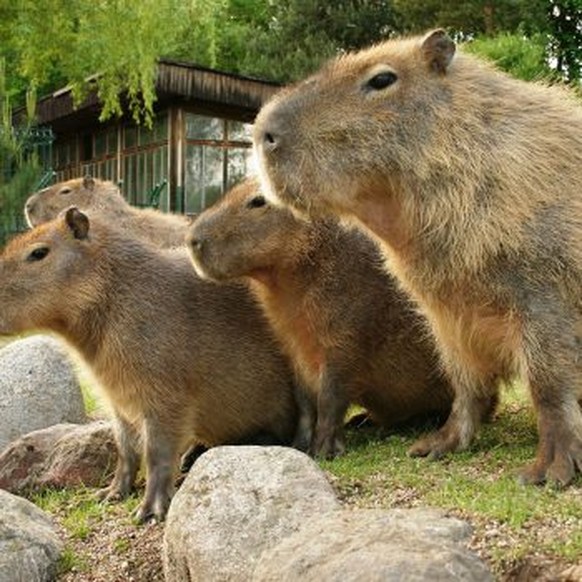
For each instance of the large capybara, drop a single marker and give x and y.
(180, 360)
(472, 183)
(92, 195)
(351, 333)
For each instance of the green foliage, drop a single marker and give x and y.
(19, 167)
(566, 38)
(117, 41)
(113, 45)
(281, 39)
(516, 54)
(472, 17)
(69, 561)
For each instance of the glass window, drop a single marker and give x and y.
(128, 187)
(193, 179)
(129, 137)
(238, 164)
(145, 136)
(213, 175)
(161, 128)
(203, 127)
(100, 144)
(112, 141)
(239, 131)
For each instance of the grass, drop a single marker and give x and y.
(83, 517)
(512, 523)
(479, 484)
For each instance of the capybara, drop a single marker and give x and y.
(471, 181)
(351, 333)
(92, 195)
(180, 360)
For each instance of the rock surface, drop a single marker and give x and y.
(235, 503)
(38, 388)
(64, 455)
(29, 545)
(375, 545)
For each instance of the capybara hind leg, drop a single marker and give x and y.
(332, 404)
(559, 452)
(127, 463)
(551, 356)
(161, 457)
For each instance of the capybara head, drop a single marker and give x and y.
(242, 234)
(369, 114)
(84, 193)
(44, 271)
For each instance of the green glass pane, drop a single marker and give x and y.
(203, 127)
(193, 179)
(239, 131)
(238, 165)
(129, 137)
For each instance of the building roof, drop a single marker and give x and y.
(233, 95)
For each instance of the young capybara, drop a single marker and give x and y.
(180, 360)
(93, 195)
(351, 333)
(471, 181)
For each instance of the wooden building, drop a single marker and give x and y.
(199, 144)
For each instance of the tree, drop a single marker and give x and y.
(19, 167)
(522, 57)
(117, 40)
(471, 18)
(566, 37)
(284, 40)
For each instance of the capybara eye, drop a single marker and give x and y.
(382, 80)
(38, 254)
(66, 190)
(256, 202)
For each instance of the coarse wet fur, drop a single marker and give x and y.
(471, 182)
(351, 333)
(180, 360)
(92, 195)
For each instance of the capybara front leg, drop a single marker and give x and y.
(161, 456)
(307, 417)
(128, 458)
(459, 429)
(332, 404)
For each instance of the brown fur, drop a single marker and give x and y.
(180, 360)
(353, 336)
(471, 182)
(93, 195)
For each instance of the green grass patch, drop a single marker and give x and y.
(480, 484)
(70, 560)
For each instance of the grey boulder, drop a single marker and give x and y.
(38, 388)
(235, 503)
(29, 544)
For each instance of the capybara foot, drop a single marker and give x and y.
(154, 511)
(557, 460)
(436, 445)
(113, 493)
(328, 447)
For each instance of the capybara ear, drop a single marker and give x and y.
(88, 182)
(438, 50)
(77, 222)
